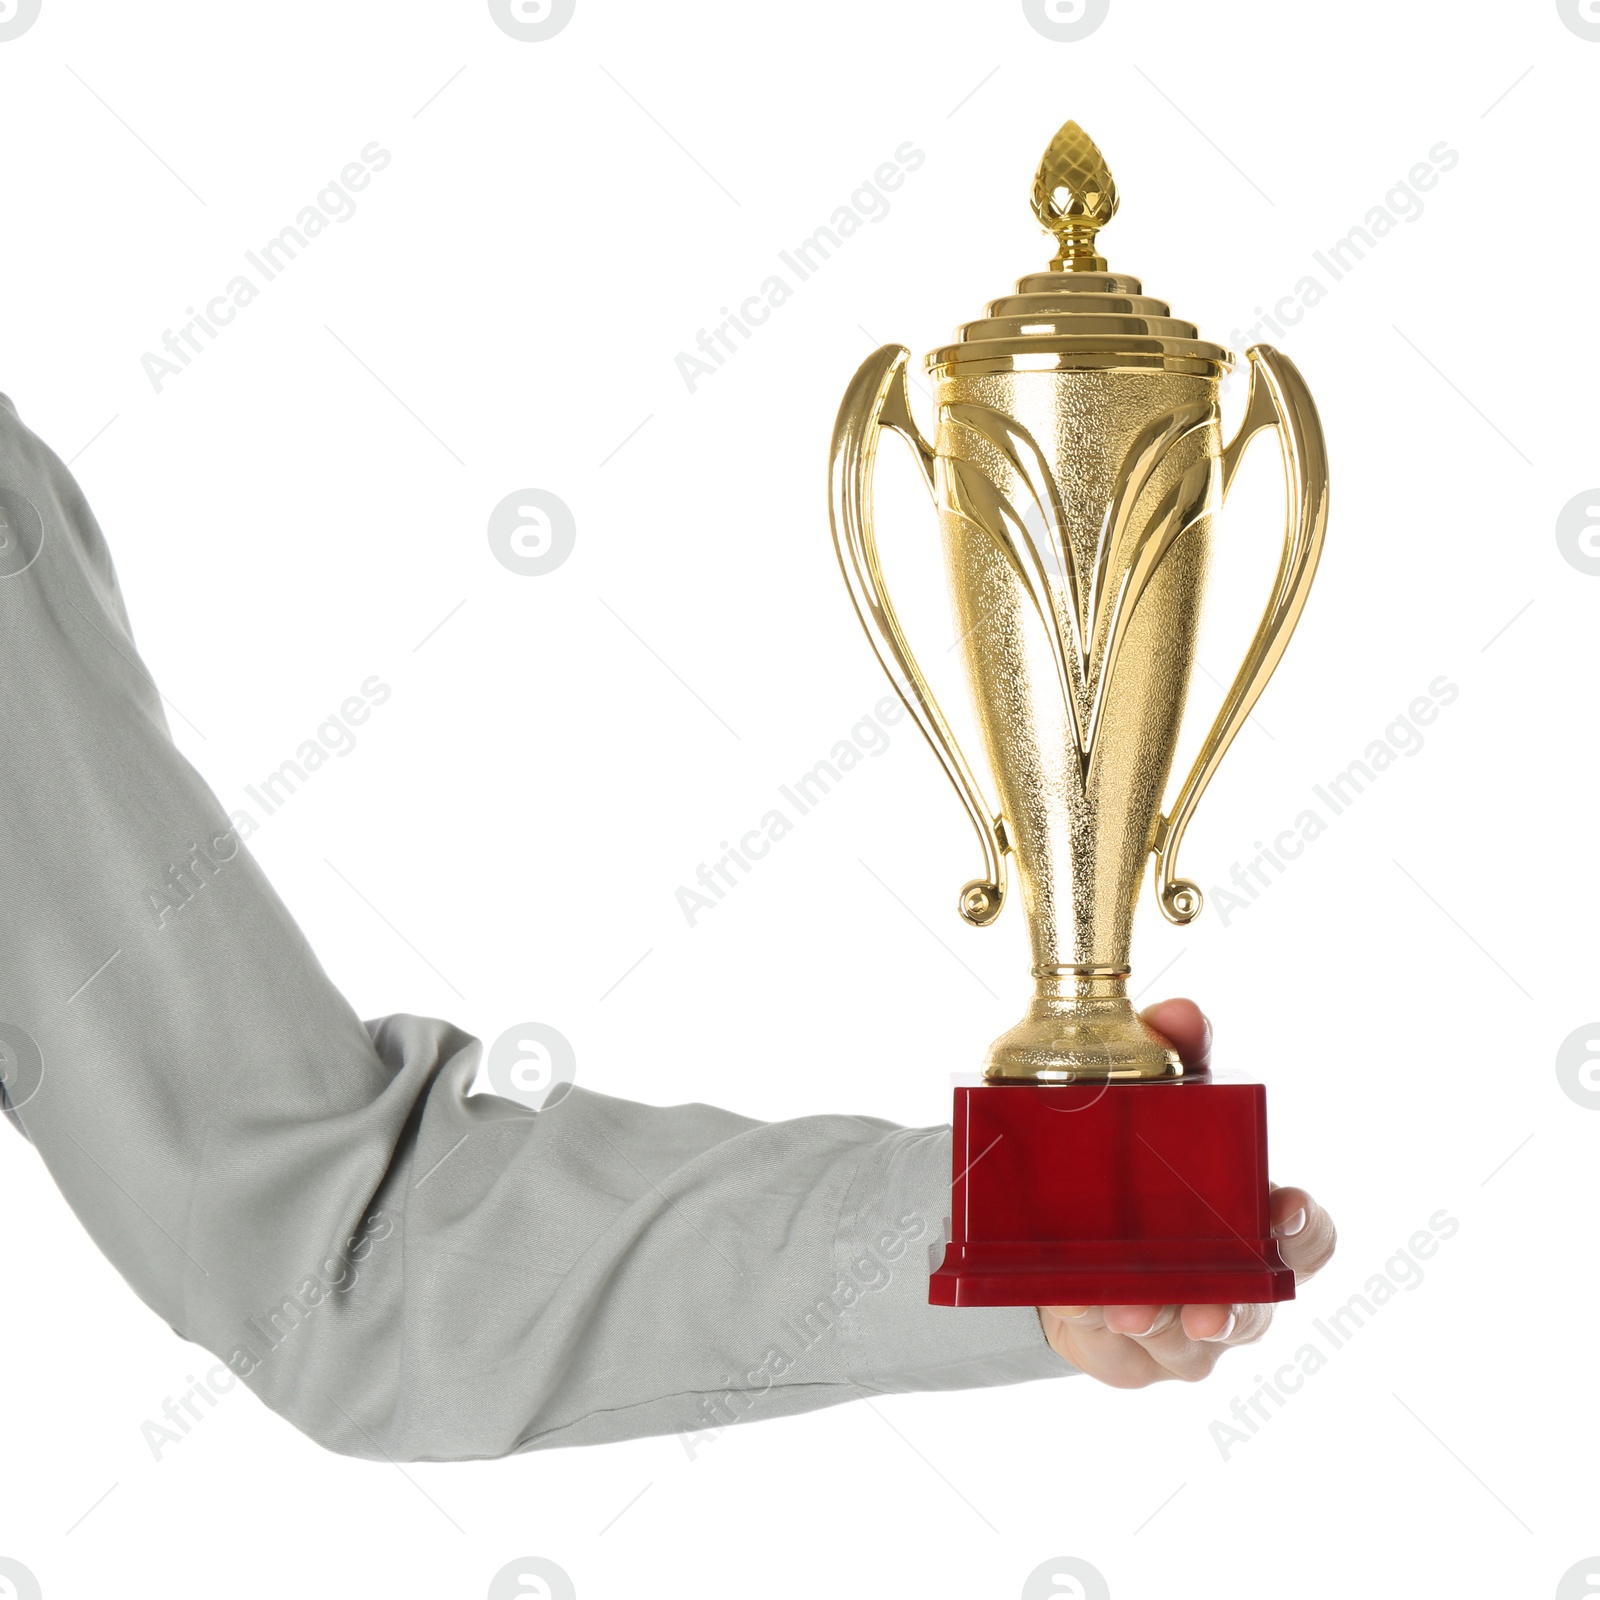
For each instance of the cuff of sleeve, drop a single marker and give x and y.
(892, 1230)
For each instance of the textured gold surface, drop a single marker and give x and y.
(1080, 765)
(1076, 466)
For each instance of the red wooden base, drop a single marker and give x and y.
(1110, 1194)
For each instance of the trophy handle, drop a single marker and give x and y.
(1278, 397)
(877, 399)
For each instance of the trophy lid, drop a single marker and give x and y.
(1078, 315)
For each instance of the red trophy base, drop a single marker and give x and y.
(1110, 1194)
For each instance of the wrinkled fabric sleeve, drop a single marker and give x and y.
(402, 1270)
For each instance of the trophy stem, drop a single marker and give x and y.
(1081, 1028)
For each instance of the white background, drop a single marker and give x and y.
(307, 505)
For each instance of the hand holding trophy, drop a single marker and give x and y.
(1076, 465)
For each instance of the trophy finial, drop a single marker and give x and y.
(1074, 196)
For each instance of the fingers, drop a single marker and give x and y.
(1130, 1347)
(1304, 1231)
(1138, 1321)
(1078, 1334)
(1221, 1325)
(1182, 1352)
(1210, 1323)
(1185, 1027)
(1081, 1317)
(1228, 1325)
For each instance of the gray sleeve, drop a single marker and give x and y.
(401, 1270)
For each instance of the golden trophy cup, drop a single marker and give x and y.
(1076, 465)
